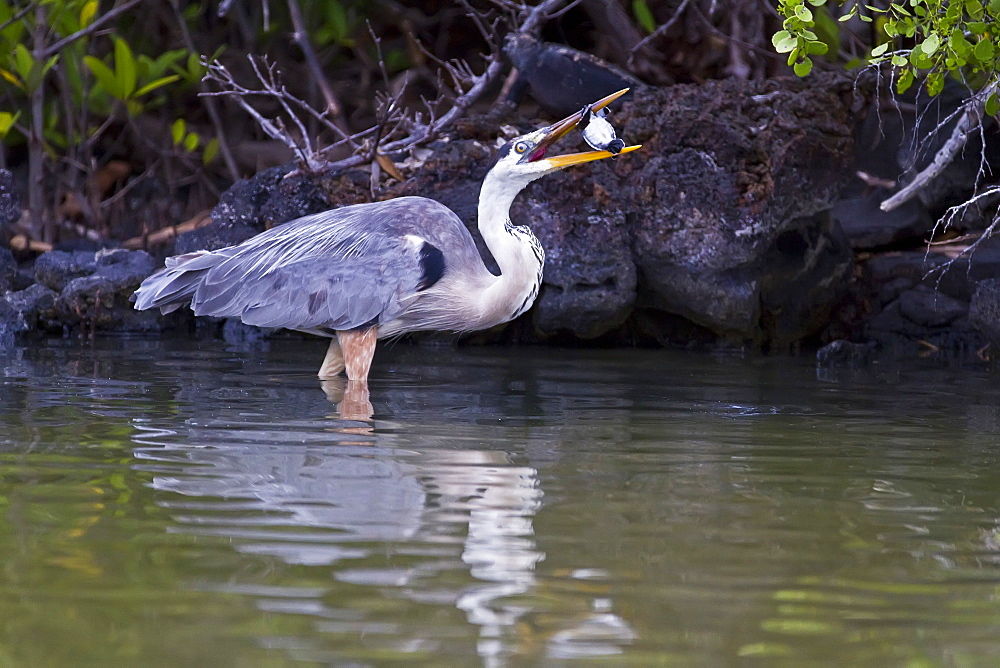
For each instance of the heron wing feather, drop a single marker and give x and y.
(338, 269)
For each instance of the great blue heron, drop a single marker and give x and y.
(370, 271)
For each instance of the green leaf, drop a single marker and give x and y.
(8, 119)
(783, 41)
(336, 18)
(992, 104)
(643, 15)
(177, 131)
(880, 49)
(11, 77)
(984, 50)
(159, 83)
(935, 83)
(803, 13)
(905, 81)
(899, 60)
(191, 142)
(49, 64)
(87, 13)
(803, 67)
(105, 77)
(211, 151)
(816, 48)
(23, 62)
(931, 44)
(959, 44)
(125, 70)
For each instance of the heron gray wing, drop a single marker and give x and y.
(338, 269)
(306, 295)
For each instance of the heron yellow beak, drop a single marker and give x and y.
(560, 161)
(558, 130)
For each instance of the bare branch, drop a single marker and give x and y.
(468, 86)
(661, 30)
(301, 38)
(30, 7)
(967, 123)
(230, 88)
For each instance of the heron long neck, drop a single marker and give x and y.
(515, 249)
(511, 248)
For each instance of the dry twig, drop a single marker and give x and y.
(971, 118)
(469, 87)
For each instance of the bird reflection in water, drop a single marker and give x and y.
(352, 398)
(396, 511)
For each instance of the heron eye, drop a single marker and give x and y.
(521, 146)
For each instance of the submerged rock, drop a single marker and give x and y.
(845, 354)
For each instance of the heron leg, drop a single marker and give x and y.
(358, 347)
(333, 363)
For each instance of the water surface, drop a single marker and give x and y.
(182, 503)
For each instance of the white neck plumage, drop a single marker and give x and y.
(515, 249)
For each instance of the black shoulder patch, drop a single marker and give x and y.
(431, 266)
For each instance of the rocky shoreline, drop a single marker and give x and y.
(744, 223)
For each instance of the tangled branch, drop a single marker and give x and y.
(971, 117)
(393, 120)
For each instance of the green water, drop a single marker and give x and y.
(177, 503)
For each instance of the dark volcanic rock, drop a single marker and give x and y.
(590, 279)
(561, 79)
(984, 310)
(729, 201)
(56, 269)
(929, 308)
(82, 289)
(31, 308)
(101, 299)
(842, 353)
(250, 206)
(924, 317)
(867, 226)
(960, 277)
(8, 270)
(719, 218)
(10, 209)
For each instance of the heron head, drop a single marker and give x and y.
(525, 158)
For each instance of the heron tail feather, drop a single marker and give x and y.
(173, 286)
